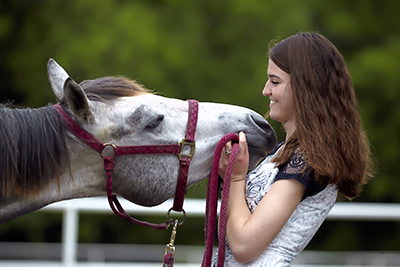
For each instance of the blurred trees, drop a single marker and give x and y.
(211, 51)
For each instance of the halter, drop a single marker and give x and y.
(109, 151)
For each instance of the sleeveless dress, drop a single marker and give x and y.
(304, 221)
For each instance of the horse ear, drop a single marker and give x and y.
(57, 77)
(77, 101)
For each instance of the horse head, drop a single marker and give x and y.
(122, 112)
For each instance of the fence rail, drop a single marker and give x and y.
(193, 207)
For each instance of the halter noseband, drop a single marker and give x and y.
(109, 151)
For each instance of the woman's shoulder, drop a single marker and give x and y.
(278, 145)
(296, 168)
(295, 164)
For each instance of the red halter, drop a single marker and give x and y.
(109, 151)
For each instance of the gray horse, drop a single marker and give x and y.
(42, 162)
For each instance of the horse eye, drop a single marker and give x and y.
(153, 124)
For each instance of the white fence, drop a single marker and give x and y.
(196, 207)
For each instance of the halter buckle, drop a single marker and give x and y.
(184, 143)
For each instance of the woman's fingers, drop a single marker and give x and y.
(242, 161)
(223, 162)
(228, 148)
(243, 144)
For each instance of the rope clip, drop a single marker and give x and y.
(169, 253)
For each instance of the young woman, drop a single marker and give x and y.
(275, 210)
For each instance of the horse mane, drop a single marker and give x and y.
(111, 88)
(33, 147)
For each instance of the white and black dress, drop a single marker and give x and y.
(303, 223)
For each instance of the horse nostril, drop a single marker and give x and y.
(261, 123)
(266, 128)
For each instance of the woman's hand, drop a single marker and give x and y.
(242, 160)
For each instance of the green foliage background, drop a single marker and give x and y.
(209, 50)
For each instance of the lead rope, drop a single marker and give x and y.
(212, 200)
(211, 208)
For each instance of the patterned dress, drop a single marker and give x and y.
(303, 223)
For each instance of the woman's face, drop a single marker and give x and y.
(279, 91)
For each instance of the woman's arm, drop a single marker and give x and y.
(250, 234)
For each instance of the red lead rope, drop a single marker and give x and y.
(211, 207)
(212, 200)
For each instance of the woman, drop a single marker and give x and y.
(275, 210)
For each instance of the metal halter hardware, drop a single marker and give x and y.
(109, 151)
(184, 143)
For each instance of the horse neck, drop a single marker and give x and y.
(82, 181)
(78, 178)
(86, 176)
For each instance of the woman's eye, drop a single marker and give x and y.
(274, 82)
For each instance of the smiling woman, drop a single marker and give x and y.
(279, 91)
(275, 210)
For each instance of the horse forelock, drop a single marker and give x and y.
(112, 88)
(33, 150)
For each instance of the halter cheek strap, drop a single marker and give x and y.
(186, 158)
(109, 151)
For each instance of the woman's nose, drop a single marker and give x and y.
(266, 91)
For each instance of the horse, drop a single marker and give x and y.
(42, 162)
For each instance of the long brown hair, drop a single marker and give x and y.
(328, 127)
